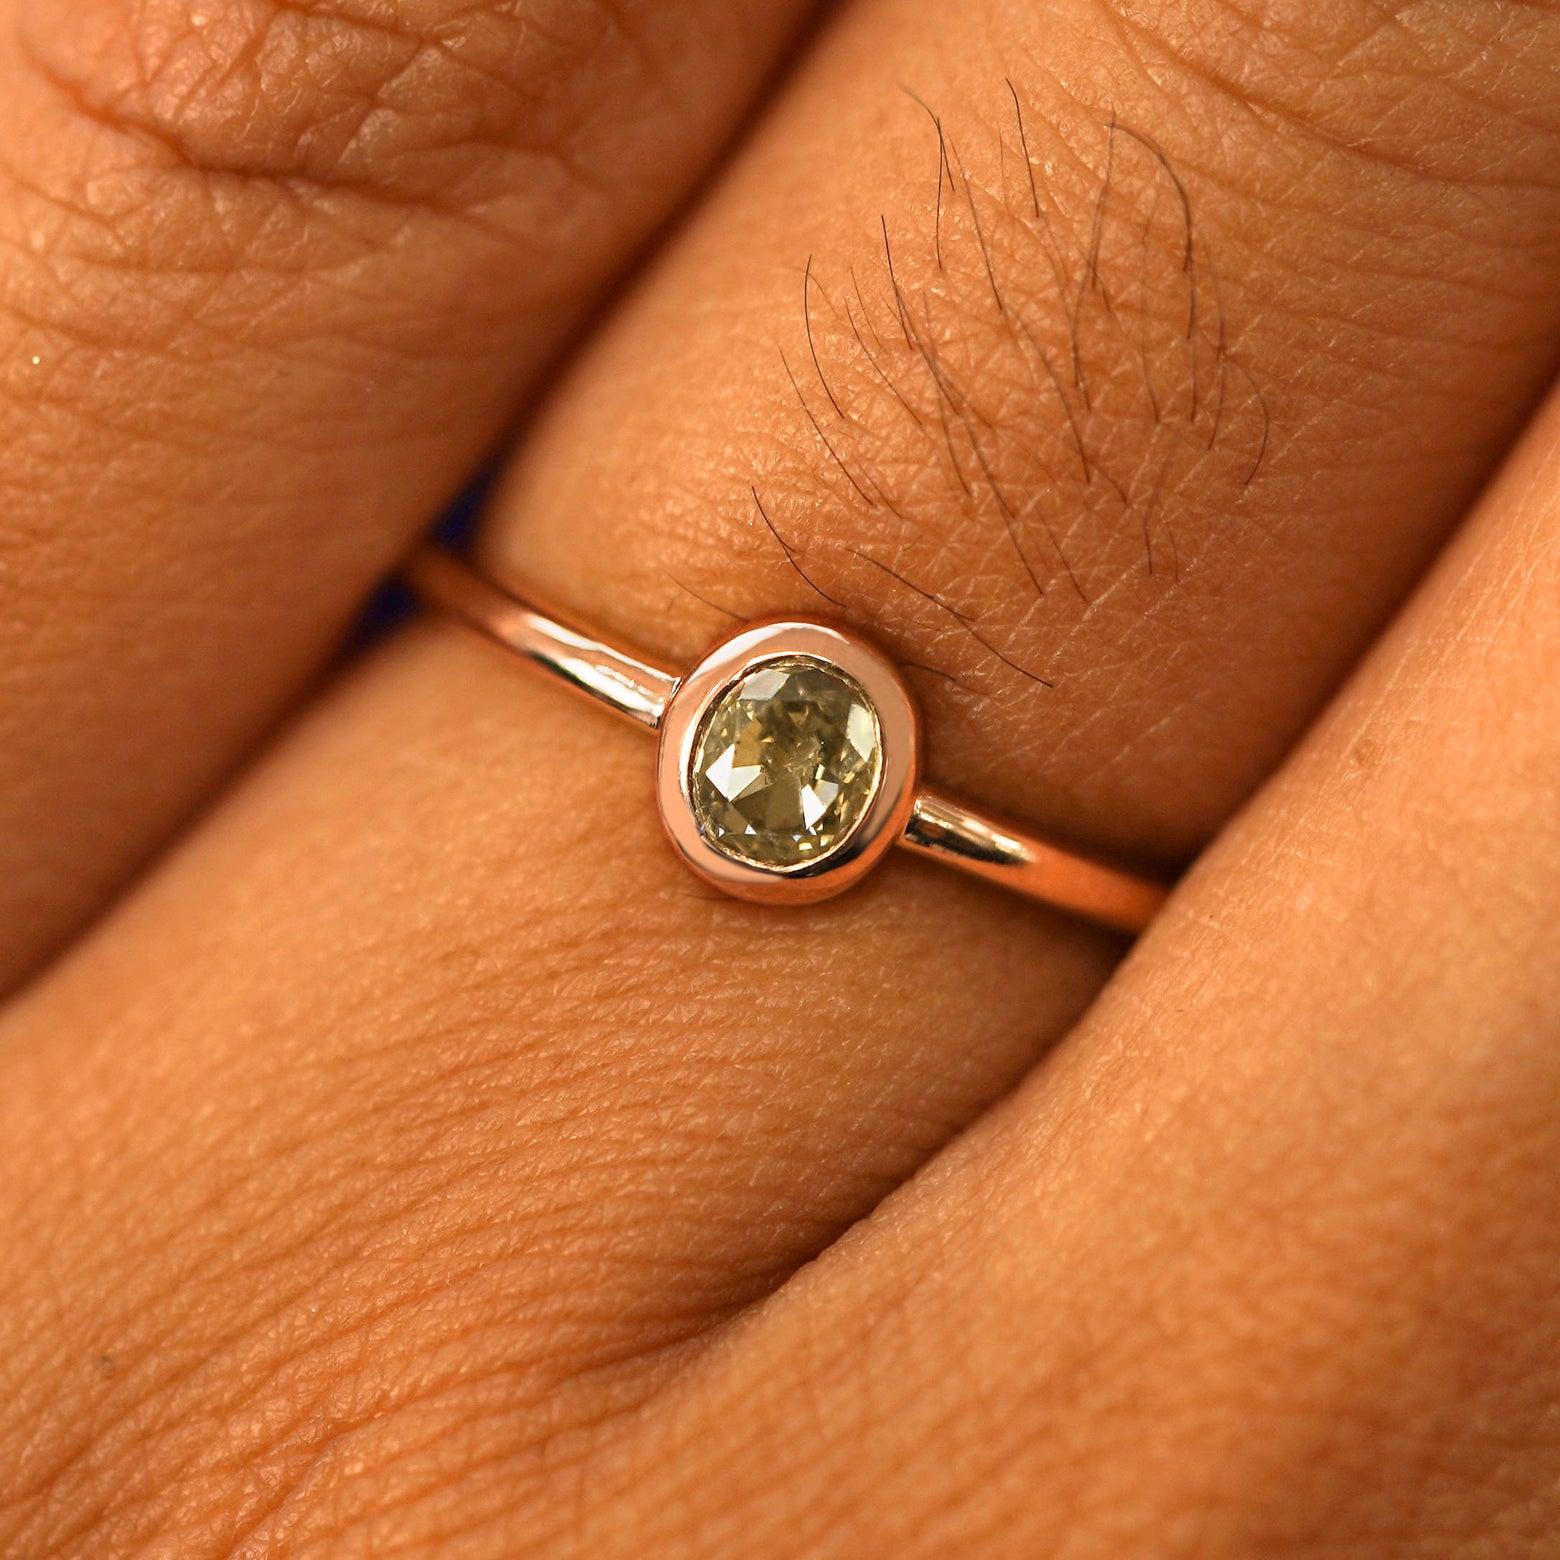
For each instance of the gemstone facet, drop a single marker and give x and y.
(786, 763)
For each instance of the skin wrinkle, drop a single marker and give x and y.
(329, 1428)
(625, 1378)
(191, 325)
(645, 1358)
(306, 1136)
(200, 128)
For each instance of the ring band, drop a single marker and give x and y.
(790, 758)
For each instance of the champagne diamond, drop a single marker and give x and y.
(786, 763)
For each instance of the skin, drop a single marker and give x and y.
(417, 1162)
(332, 257)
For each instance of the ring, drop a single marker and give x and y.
(790, 758)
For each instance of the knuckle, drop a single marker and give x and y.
(400, 100)
(175, 172)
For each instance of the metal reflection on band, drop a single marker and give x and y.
(900, 810)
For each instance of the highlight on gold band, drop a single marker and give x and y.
(790, 758)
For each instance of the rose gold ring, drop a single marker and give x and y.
(790, 758)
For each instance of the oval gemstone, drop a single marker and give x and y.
(786, 763)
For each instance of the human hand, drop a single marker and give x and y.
(417, 1161)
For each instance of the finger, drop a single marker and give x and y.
(1263, 1262)
(1131, 460)
(273, 278)
(526, 1155)
(456, 1009)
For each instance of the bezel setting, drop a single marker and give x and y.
(886, 814)
(927, 822)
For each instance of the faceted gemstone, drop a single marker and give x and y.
(786, 763)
